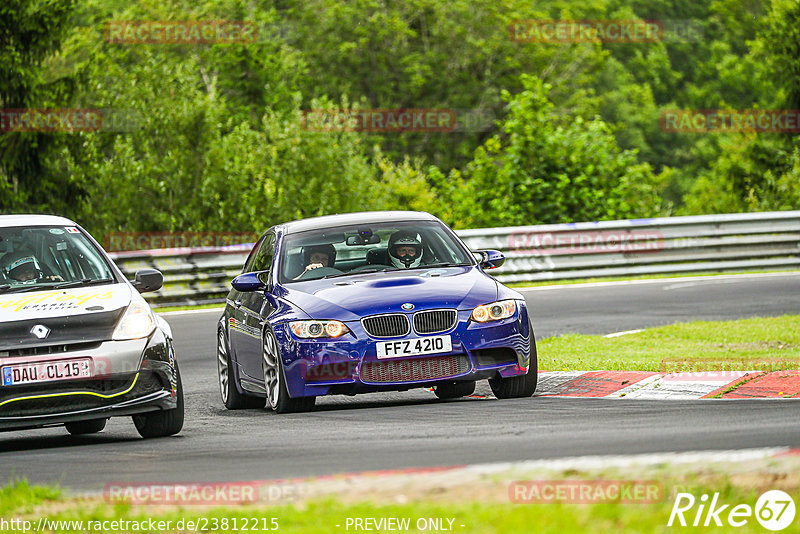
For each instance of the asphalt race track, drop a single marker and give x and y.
(387, 431)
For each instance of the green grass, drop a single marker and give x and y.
(323, 515)
(764, 343)
(628, 278)
(19, 496)
(219, 306)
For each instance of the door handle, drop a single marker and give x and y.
(237, 303)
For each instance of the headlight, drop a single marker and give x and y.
(315, 329)
(136, 322)
(494, 311)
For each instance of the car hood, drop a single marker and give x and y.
(76, 315)
(350, 298)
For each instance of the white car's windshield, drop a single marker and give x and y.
(49, 257)
(369, 247)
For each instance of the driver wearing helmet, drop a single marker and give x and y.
(24, 267)
(316, 256)
(405, 249)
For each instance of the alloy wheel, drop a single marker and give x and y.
(272, 373)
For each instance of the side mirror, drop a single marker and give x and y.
(491, 259)
(148, 280)
(248, 282)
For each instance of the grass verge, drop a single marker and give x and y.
(217, 306)
(768, 344)
(462, 502)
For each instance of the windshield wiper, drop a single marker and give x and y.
(5, 288)
(80, 283)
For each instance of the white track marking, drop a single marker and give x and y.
(709, 278)
(683, 386)
(624, 333)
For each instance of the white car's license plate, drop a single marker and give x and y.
(413, 347)
(28, 373)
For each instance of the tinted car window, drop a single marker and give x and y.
(354, 253)
(263, 259)
(251, 258)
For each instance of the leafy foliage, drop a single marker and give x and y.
(540, 171)
(212, 136)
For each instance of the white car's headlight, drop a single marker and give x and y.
(137, 322)
(315, 329)
(495, 311)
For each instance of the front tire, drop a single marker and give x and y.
(275, 382)
(86, 427)
(518, 386)
(231, 398)
(163, 422)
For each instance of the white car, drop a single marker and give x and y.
(78, 343)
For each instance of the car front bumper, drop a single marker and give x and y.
(130, 377)
(349, 365)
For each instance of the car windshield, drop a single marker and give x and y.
(373, 247)
(49, 257)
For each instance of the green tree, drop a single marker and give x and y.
(758, 172)
(542, 170)
(31, 33)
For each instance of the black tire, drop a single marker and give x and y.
(518, 386)
(278, 398)
(86, 427)
(162, 422)
(231, 398)
(454, 390)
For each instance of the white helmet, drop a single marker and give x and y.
(404, 238)
(19, 263)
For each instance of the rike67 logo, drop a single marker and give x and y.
(774, 511)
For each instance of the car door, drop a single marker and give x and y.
(237, 316)
(252, 313)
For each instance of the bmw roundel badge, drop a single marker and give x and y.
(407, 306)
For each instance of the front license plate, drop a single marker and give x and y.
(413, 347)
(28, 373)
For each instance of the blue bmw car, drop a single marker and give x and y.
(366, 302)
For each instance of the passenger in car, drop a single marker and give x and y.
(316, 256)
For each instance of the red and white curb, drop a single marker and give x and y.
(650, 385)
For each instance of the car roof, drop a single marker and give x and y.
(362, 217)
(7, 221)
